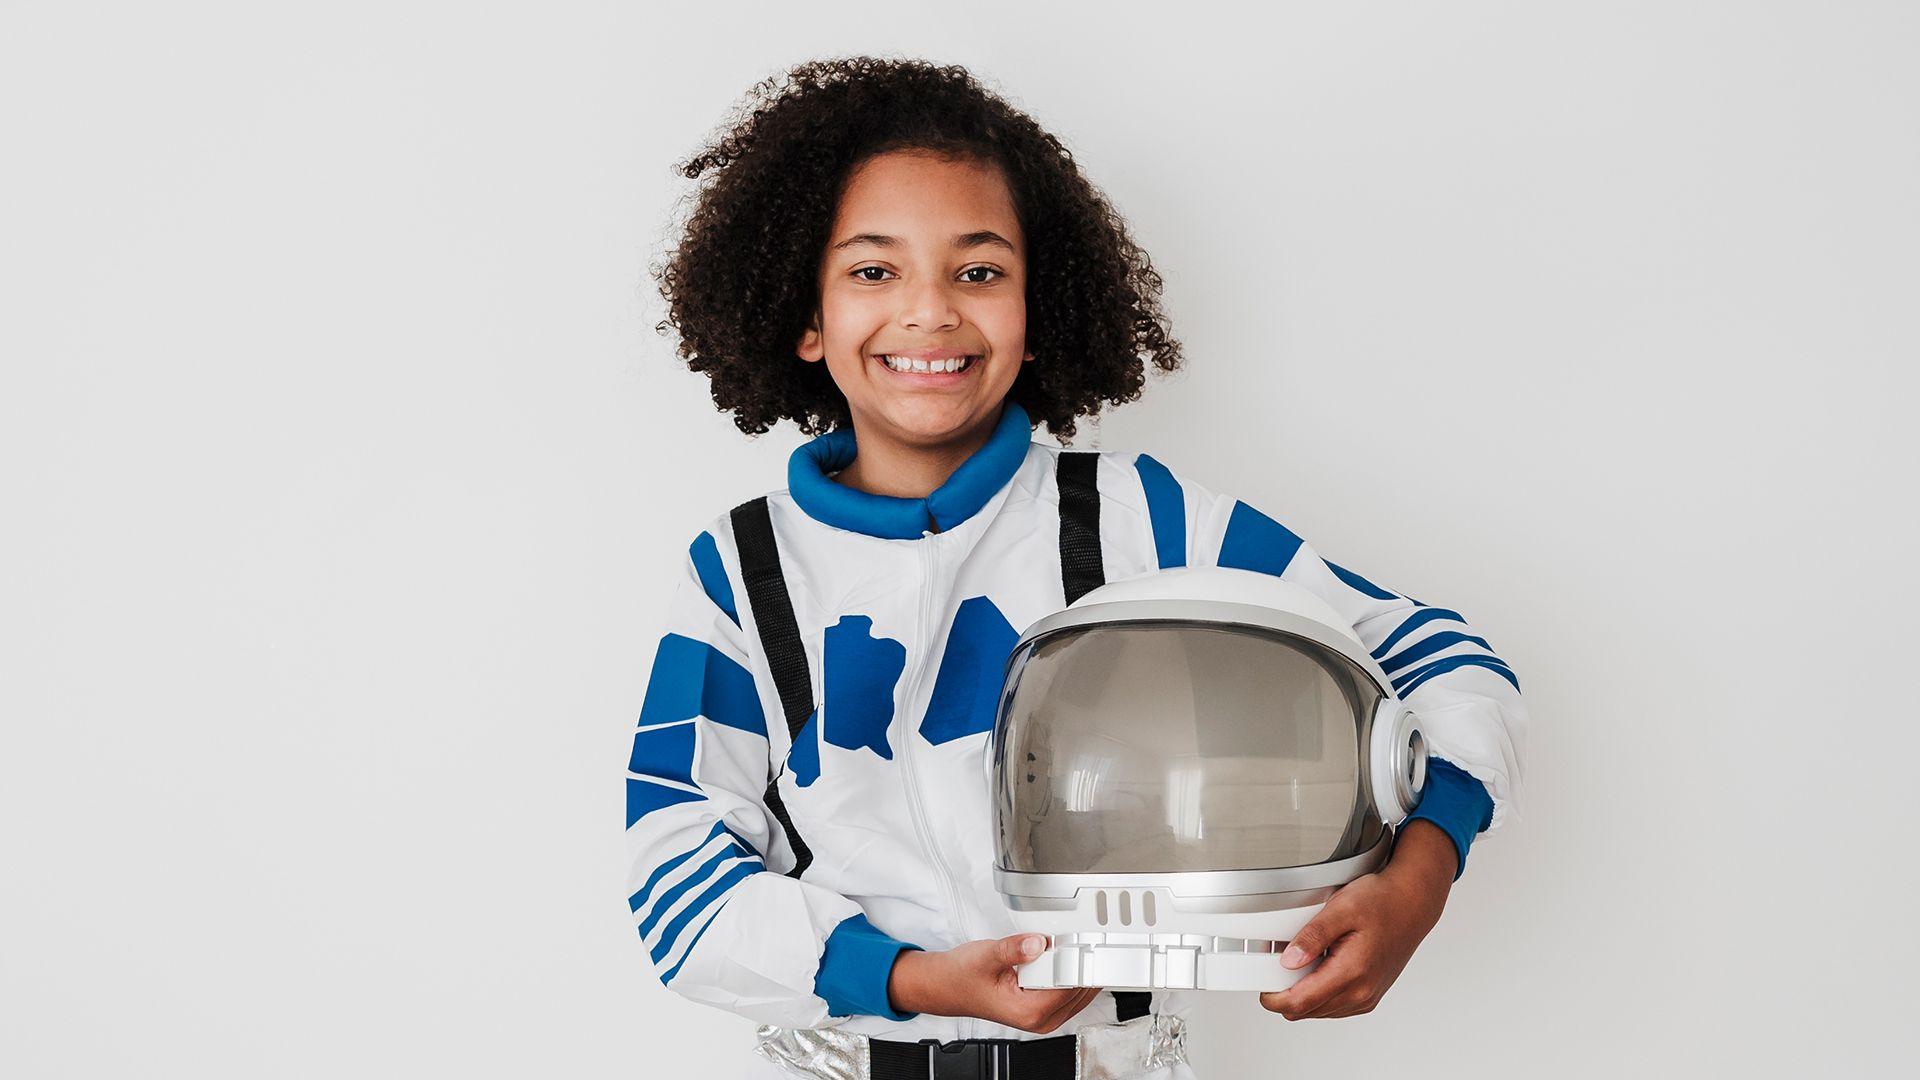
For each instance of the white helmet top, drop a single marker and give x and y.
(1223, 585)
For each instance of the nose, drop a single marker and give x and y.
(927, 306)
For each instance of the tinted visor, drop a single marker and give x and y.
(1159, 747)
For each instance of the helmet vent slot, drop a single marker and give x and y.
(1126, 908)
(1146, 907)
(1100, 907)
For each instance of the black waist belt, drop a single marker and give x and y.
(974, 1059)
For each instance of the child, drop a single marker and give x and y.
(902, 264)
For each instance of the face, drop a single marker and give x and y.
(925, 268)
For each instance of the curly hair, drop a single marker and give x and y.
(742, 282)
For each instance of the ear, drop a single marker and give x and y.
(812, 347)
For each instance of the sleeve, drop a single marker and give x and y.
(719, 926)
(1467, 696)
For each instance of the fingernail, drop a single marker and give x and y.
(1030, 948)
(1293, 957)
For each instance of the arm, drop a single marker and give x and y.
(1466, 695)
(982, 979)
(1468, 701)
(719, 926)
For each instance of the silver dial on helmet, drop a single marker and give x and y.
(1398, 760)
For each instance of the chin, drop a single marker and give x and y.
(931, 425)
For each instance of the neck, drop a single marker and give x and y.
(885, 465)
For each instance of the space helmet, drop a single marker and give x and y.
(1184, 767)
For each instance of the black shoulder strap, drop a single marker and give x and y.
(780, 640)
(1080, 573)
(1080, 569)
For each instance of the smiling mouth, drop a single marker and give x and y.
(908, 366)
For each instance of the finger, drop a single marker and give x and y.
(1340, 972)
(1366, 1003)
(1361, 965)
(1029, 1010)
(1352, 997)
(1020, 948)
(1352, 1002)
(1071, 1002)
(1083, 998)
(1317, 936)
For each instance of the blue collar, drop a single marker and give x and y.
(891, 517)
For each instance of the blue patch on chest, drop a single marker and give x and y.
(804, 759)
(967, 690)
(861, 673)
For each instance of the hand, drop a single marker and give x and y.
(978, 979)
(1371, 927)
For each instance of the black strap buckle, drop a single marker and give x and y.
(969, 1059)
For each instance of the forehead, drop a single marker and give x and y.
(922, 198)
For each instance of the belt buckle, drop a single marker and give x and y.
(963, 1060)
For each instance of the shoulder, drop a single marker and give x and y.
(713, 533)
(710, 552)
(1117, 473)
(718, 529)
(1148, 483)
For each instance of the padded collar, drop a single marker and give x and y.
(891, 517)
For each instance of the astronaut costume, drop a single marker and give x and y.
(906, 611)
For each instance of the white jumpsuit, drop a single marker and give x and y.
(907, 609)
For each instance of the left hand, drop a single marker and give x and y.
(1369, 928)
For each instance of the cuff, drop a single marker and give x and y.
(1457, 803)
(854, 968)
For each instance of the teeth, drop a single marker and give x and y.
(898, 363)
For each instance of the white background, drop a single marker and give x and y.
(345, 475)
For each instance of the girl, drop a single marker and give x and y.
(905, 266)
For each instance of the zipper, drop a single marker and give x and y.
(928, 563)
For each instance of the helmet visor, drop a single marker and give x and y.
(1162, 747)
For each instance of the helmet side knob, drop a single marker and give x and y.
(1399, 762)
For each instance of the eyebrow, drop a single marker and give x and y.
(965, 240)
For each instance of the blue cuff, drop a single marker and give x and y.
(854, 970)
(1457, 803)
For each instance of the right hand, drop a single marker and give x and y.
(978, 979)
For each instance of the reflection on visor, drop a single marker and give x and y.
(1153, 747)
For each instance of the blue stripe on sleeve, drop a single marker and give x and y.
(664, 752)
(692, 678)
(1427, 646)
(639, 899)
(667, 979)
(681, 887)
(1255, 541)
(1166, 509)
(1358, 583)
(644, 798)
(713, 574)
(692, 911)
(1407, 683)
(854, 969)
(1455, 801)
(1413, 622)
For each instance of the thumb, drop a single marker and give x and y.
(1021, 948)
(1313, 939)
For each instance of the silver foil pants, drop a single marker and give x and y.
(1147, 1048)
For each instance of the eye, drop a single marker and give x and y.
(976, 269)
(864, 269)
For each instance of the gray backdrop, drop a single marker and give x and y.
(345, 477)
